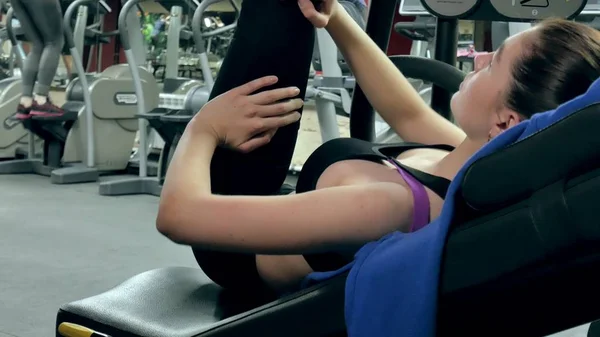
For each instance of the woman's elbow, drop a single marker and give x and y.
(168, 223)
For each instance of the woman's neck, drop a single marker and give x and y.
(455, 160)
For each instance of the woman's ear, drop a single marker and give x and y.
(505, 120)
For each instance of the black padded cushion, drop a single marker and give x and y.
(182, 302)
(517, 171)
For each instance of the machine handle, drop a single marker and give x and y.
(417, 31)
(415, 26)
(413, 35)
(232, 26)
(197, 24)
(122, 22)
(105, 6)
(9, 27)
(67, 20)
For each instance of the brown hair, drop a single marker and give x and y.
(562, 61)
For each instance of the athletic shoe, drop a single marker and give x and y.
(47, 109)
(22, 112)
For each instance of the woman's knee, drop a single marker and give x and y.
(57, 43)
(282, 272)
(36, 48)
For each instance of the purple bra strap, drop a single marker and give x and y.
(421, 199)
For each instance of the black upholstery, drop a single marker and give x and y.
(182, 302)
(547, 158)
(531, 267)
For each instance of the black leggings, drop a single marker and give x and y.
(272, 38)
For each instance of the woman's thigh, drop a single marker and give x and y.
(285, 271)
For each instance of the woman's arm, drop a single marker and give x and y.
(321, 220)
(390, 93)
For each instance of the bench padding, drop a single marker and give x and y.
(182, 302)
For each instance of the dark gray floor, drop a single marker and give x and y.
(64, 243)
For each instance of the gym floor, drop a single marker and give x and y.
(61, 243)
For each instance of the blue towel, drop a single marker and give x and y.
(392, 286)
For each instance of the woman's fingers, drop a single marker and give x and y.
(257, 141)
(253, 86)
(275, 95)
(280, 108)
(280, 121)
(309, 11)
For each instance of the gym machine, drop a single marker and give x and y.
(14, 137)
(172, 83)
(171, 89)
(169, 122)
(503, 30)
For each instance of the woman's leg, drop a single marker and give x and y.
(272, 38)
(47, 17)
(31, 62)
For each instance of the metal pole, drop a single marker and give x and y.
(172, 58)
(379, 27)
(135, 77)
(446, 43)
(78, 61)
(199, 38)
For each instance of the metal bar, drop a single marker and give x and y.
(446, 42)
(379, 27)
(135, 77)
(78, 62)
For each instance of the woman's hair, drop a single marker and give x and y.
(561, 62)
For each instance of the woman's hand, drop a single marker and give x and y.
(246, 121)
(318, 17)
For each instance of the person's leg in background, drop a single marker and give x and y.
(47, 17)
(31, 62)
(272, 38)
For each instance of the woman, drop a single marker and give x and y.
(41, 22)
(354, 201)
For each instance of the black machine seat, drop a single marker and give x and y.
(522, 256)
(203, 308)
(161, 120)
(166, 131)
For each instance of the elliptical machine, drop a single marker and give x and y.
(98, 126)
(14, 137)
(169, 122)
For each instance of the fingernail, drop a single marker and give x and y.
(296, 91)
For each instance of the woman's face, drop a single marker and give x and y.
(478, 106)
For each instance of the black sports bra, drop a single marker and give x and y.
(340, 149)
(350, 148)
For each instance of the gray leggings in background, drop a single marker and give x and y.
(41, 22)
